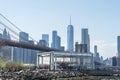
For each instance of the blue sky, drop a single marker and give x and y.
(37, 17)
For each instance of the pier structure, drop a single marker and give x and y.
(53, 59)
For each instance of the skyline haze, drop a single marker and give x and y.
(101, 17)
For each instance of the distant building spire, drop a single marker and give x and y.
(70, 37)
(70, 20)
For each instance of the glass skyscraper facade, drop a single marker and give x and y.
(42, 43)
(46, 38)
(118, 46)
(21, 54)
(70, 38)
(85, 38)
(56, 41)
(26, 56)
(23, 37)
(95, 51)
(96, 54)
(32, 54)
(118, 51)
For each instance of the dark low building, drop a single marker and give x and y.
(82, 48)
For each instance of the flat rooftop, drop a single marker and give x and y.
(64, 54)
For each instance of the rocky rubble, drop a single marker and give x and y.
(38, 74)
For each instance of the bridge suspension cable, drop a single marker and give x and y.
(9, 28)
(15, 27)
(20, 44)
(10, 34)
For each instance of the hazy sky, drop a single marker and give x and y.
(38, 17)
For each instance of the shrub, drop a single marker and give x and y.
(14, 66)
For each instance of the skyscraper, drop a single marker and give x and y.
(118, 50)
(6, 50)
(42, 43)
(58, 42)
(95, 51)
(96, 54)
(17, 55)
(46, 38)
(23, 37)
(85, 38)
(70, 37)
(118, 46)
(1, 35)
(5, 34)
(54, 39)
(26, 56)
(31, 54)
(114, 61)
(21, 53)
(9, 38)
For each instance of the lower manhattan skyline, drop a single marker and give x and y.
(42, 17)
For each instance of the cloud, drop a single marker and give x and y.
(105, 48)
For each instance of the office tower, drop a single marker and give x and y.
(46, 38)
(1, 53)
(70, 37)
(23, 37)
(101, 59)
(114, 61)
(54, 39)
(9, 38)
(96, 54)
(118, 50)
(95, 51)
(6, 50)
(85, 38)
(23, 53)
(42, 43)
(1, 35)
(77, 47)
(17, 55)
(118, 46)
(5, 34)
(62, 48)
(58, 42)
(31, 54)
